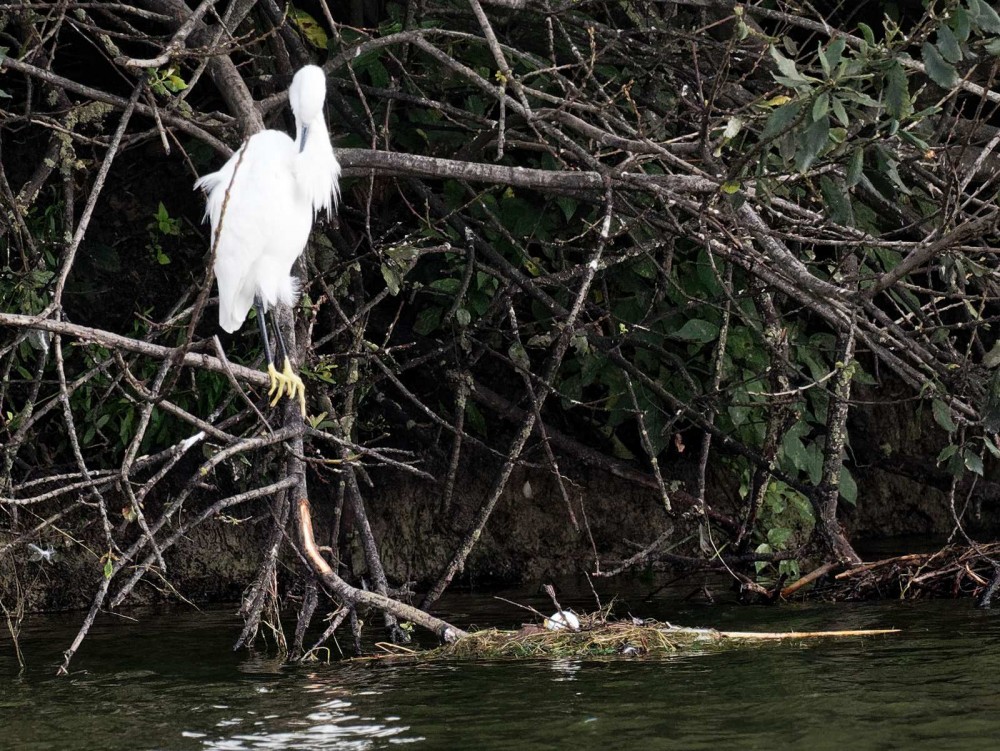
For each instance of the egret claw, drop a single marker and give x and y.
(275, 379)
(286, 382)
(295, 386)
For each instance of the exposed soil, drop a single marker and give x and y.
(526, 539)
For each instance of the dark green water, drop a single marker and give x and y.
(171, 681)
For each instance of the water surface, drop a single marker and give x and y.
(171, 681)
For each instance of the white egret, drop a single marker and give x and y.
(275, 187)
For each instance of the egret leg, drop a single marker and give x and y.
(287, 381)
(259, 306)
(294, 384)
(276, 381)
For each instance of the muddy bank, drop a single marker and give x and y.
(530, 537)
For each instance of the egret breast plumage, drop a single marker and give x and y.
(275, 187)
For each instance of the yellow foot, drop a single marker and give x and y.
(286, 382)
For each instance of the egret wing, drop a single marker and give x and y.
(258, 214)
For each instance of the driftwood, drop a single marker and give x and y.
(952, 571)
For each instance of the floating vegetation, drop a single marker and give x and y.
(599, 638)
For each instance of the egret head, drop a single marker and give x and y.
(307, 94)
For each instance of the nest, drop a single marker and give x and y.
(599, 638)
(609, 640)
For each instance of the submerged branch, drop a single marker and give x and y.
(352, 596)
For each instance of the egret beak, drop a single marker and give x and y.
(302, 142)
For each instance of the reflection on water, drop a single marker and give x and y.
(171, 681)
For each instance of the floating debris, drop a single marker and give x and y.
(599, 638)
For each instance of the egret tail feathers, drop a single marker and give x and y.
(213, 198)
(233, 309)
(277, 288)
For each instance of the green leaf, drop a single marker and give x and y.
(897, 93)
(940, 71)
(792, 83)
(960, 23)
(463, 317)
(993, 47)
(517, 353)
(888, 167)
(449, 285)
(973, 462)
(813, 140)
(762, 548)
(946, 453)
(730, 186)
(590, 368)
(780, 120)
(915, 140)
(310, 28)
(942, 415)
(867, 33)
(392, 279)
(778, 536)
(520, 216)
(821, 106)
(956, 465)
(991, 447)
(787, 67)
(391, 26)
(794, 450)
(839, 112)
(947, 45)
(402, 254)
(858, 97)
(378, 73)
(698, 330)
(174, 83)
(789, 569)
(475, 418)
(848, 487)
(814, 467)
(831, 56)
(984, 18)
(568, 206)
(109, 568)
(428, 320)
(619, 450)
(837, 201)
(823, 61)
